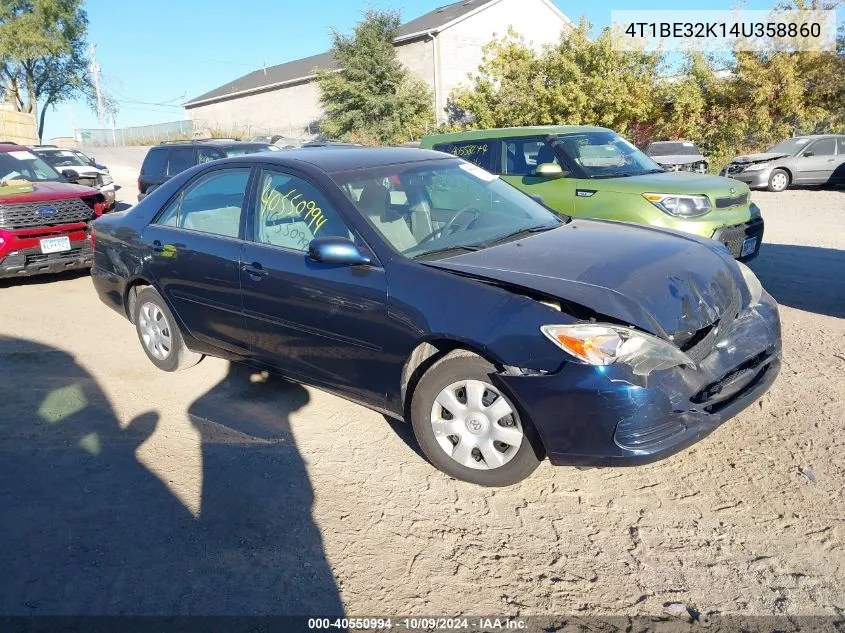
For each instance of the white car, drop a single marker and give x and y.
(90, 174)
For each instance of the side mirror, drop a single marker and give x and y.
(549, 170)
(71, 175)
(336, 250)
(808, 153)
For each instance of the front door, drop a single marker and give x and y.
(195, 251)
(817, 163)
(520, 158)
(324, 323)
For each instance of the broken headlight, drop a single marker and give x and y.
(755, 288)
(679, 205)
(604, 344)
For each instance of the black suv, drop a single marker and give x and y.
(172, 157)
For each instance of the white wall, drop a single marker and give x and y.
(287, 110)
(460, 46)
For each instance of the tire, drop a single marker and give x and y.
(456, 448)
(779, 180)
(159, 334)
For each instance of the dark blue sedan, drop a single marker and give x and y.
(423, 287)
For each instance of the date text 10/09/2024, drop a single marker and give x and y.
(414, 624)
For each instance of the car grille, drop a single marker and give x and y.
(734, 236)
(735, 201)
(40, 258)
(736, 168)
(26, 215)
(737, 382)
(701, 344)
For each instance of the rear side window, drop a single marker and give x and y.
(155, 162)
(181, 158)
(211, 204)
(842, 145)
(478, 152)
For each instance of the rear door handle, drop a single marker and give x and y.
(255, 271)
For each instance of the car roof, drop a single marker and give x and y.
(504, 132)
(12, 147)
(333, 160)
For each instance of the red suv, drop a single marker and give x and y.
(44, 219)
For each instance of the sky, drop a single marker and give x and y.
(156, 54)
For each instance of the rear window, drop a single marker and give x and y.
(155, 162)
(477, 152)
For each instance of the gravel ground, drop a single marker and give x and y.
(127, 490)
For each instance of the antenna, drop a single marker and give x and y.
(95, 75)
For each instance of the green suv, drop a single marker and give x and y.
(595, 173)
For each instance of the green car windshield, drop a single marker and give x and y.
(605, 155)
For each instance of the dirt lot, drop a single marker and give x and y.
(127, 490)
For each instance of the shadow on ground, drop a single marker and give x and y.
(803, 277)
(88, 529)
(37, 280)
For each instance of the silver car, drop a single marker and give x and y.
(801, 160)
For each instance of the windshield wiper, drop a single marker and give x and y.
(520, 233)
(447, 249)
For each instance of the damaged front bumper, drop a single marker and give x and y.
(607, 416)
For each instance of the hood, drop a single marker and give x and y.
(758, 158)
(677, 159)
(48, 191)
(663, 283)
(673, 182)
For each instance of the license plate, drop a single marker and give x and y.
(748, 246)
(55, 244)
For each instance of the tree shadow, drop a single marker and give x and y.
(88, 529)
(803, 277)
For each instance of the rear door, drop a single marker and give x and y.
(324, 323)
(817, 162)
(520, 158)
(195, 251)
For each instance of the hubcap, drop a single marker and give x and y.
(779, 181)
(155, 331)
(476, 425)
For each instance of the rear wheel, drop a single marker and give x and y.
(159, 335)
(778, 181)
(469, 428)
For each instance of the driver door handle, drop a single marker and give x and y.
(255, 271)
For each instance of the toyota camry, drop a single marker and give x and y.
(423, 287)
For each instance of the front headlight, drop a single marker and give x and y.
(107, 180)
(679, 205)
(757, 166)
(755, 288)
(603, 344)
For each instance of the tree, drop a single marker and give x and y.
(577, 81)
(373, 98)
(42, 54)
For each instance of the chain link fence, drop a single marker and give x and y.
(140, 135)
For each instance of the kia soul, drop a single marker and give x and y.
(593, 172)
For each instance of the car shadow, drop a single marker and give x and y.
(36, 280)
(89, 529)
(803, 277)
(121, 206)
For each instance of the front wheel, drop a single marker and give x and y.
(778, 181)
(469, 428)
(159, 335)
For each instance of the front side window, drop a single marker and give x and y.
(824, 147)
(523, 155)
(291, 212)
(606, 155)
(181, 158)
(478, 152)
(463, 205)
(64, 158)
(210, 204)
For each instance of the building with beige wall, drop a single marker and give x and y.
(441, 48)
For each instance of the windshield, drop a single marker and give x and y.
(240, 150)
(789, 146)
(436, 208)
(606, 155)
(679, 148)
(24, 165)
(64, 158)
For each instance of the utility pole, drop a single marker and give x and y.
(95, 74)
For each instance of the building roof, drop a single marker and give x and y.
(300, 70)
